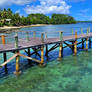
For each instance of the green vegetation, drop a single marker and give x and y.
(62, 19)
(7, 17)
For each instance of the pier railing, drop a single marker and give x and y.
(10, 37)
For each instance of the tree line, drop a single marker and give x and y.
(17, 20)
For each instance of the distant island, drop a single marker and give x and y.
(84, 21)
(8, 18)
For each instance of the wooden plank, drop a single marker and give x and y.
(38, 61)
(6, 62)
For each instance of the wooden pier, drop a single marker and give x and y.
(41, 44)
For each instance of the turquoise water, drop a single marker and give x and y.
(71, 74)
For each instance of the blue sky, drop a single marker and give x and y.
(79, 9)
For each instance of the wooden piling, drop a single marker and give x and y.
(72, 46)
(17, 66)
(86, 44)
(47, 52)
(60, 48)
(29, 61)
(42, 56)
(82, 44)
(4, 54)
(60, 52)
(75, 44)
(89, 42)
(42, 37)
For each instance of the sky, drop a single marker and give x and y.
(79, 9)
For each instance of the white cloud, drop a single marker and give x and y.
(22, 2)
(5, 3)
(18, 11)
(48, 7)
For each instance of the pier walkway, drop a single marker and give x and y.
(41, 44)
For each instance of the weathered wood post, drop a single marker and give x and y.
(88, 29)
(46, 47)
(4, 54)
(42, 50)
(75, 44)
(87, 41)
(29, 61)
(27, 36)
(16, 41)
(46, 35)
(61, 47)
(42, 55)
(72, 46)
(3, 39)
(81, 30)
(34, 34)
(42, 37)
(82, 43)
(17, 57)
(47, 52)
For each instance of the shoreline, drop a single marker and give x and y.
(15, 28)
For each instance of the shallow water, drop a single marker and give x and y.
(71, 74)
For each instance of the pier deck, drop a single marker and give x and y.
(33, 42)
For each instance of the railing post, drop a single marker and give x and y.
(16, 41)
(75, 44)
(87, 31)
(4, 54)
(81, 30)
(61, 36)
(3, 39)
(42, 37)
(46, 35)
(27, 36)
